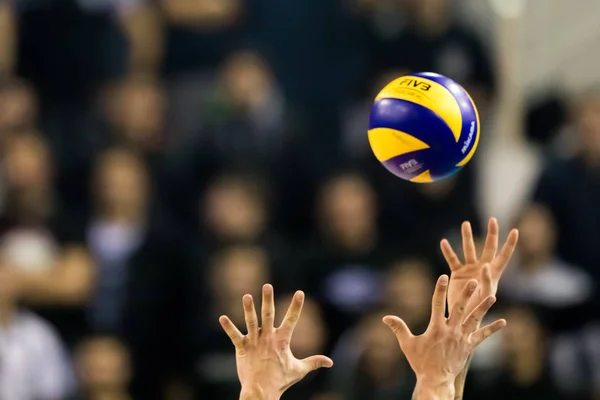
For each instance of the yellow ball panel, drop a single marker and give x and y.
(428, 94)
(424, 177)
(388, 143)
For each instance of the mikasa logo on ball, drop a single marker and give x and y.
(469, 138)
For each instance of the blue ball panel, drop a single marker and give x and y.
(420, 122)
(467, 108)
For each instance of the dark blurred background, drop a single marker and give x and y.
(160, 158)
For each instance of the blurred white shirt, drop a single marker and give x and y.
(556, 284)
(33, 362)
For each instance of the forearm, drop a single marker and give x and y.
(433, 390)
(459, 382)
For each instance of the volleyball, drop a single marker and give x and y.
(423, 127)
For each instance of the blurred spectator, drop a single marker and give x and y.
(103, 369)
(405, 292)
(233, 272)
(235, 209)
(570, 189)
(542, 280)
(310, 337)
(238, 121)
(526, 373)
(136, 112)
(200, 33)
(39, 244)
(18, 107)
(138, 296)
(34, 363)
(344, 261)
(243, 119)
(8, 21)
(431, 212)
(436, 41)
(545, 118)
(381, 372)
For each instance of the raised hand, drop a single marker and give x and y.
(440, 354)
(486, 269)
(265, 364)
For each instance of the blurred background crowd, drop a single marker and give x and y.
(161, 158)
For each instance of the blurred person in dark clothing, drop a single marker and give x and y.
(435, 41)
(343, 263)
(200, 34)
(405, 292)
(526, 372)
(133, 115)
(240, 119)
(34, 363)
(244, 118)
(103, 368)
(69, 50)
(235, 209)
(543, 280)
(39, 243)
(310, 338)
(381, 372)
(233, 272)
(140, 263)
(426, 213)
(570, 189)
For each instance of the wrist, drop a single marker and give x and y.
(434, 388)
(256, 392)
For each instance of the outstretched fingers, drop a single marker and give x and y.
(457, 314)
(468, 243)
(438, 302)
(485, 332)
(471, 323)
(250, 317)
(234, 334)
(315, 362)
(268, 309)
(293, 314)
(450, 256)
(399, 328)
(491, 241)
(501, 261)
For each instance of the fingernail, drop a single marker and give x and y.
(267, 288)
(444, 280)
(472, 285)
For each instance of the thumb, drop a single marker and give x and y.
(315, 362)
(398, 327)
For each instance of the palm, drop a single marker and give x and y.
(264, 359)
(270, 359)
(486, 269)
(444, 348)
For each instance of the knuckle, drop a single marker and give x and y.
(293, 318)
(268, 314)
